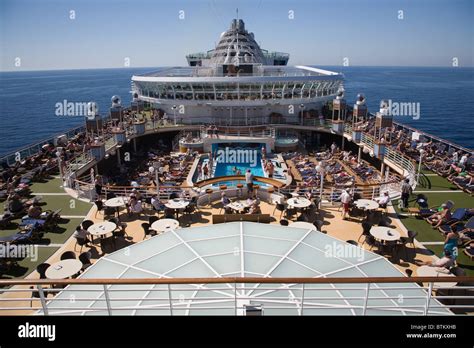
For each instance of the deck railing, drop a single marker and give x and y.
(35, 148)
(176, 296)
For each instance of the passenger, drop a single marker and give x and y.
(34, 212)
(451, 242)
(383, 201)
(255, 208)
(249, 182)
(136, 206)
(406, 192)
(345, 200)
(224, 199)
(441, 217)
(14, 204)
(82, 234)
(270, 169)
(156, 203)
(447, 261)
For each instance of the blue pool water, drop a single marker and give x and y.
(224, 169)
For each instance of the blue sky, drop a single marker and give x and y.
(150, 33)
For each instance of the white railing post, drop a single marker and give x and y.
(43, 300)
(428, 299)
(302, 299)
(366, 299)
(170, 300)
(107, 300)
(235, 298)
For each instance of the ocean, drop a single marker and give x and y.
(28, 99)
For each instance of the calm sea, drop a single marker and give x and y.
(27, 99)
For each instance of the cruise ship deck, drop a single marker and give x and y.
(238, 186)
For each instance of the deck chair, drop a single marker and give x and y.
(425, 213)
(466, 230)
(458, 215)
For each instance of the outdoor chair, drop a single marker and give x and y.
(147, 230)
(41, 269)
(68, 255)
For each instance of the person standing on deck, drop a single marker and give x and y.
(345, 200)
(406, 192)
(249, 181)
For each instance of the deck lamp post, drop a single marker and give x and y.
(419, 166)
(174, 113)
(156, 165)
(320, 169)
(302, 106)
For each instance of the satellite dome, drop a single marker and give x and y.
(360, 99)
(92, 109)
(340, 93)
(115, 100)
(384, 104)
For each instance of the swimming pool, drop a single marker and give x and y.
(225, 169)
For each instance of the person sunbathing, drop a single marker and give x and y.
(34, 212)
(441, 217)
(447, 261)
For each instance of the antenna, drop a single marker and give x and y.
(237, 11)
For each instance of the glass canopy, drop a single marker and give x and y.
(241, 249)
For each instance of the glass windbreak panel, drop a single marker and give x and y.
(259, 263)
(316, 259)
(196, 268)
(273, 231)
(224, 263)
(104, 269)
(167, 261)
(379, 268)
(229, 229)
(217, 246)
(145, 249)
(289, 268)
(264, 245)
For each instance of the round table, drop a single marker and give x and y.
(116, 202)
(430, 271)
(303, 224)
(164, 225)
(366, 204)
(238, 205)
(102, 228)
(385, 234)
(299, 202)
(63, 269)
(177, 204)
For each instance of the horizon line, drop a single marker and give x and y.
(169, 66)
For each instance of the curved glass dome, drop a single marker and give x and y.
(241, 249)
(237, 46)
